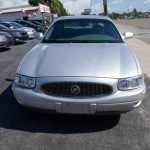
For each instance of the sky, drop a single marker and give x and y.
(78, 6)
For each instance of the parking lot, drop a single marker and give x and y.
(24, 129)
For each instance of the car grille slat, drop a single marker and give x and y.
(66, 89)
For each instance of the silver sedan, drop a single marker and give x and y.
(81, 66)
(3, 41)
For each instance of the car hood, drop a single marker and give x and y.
(88, 60)
(27, 28)
(13, 30)
(5, 33)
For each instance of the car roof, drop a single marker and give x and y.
(9, 22)
(3, 32)
(5, 22)
(2, 25)
(83, 17)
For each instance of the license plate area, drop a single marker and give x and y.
(75, 108)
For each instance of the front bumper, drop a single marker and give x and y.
(31, 34)
(10, 42)
(4, 44)
(41, 30)
(21, 38)
(118, 101)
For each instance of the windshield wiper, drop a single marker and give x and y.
(78, 41)
(56, 41)
(66, 41)
(81, 41)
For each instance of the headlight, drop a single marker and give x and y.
(24, 81)
(130, 83)
(26, 30)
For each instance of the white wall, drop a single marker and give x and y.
(11, 16)
(17, 15)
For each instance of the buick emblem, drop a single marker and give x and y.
(75, 89)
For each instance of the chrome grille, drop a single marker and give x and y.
(75, 89)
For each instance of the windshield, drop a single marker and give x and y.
(16, 24)
(3, 27)
(83, 31)
(37, 23)
(30, 23)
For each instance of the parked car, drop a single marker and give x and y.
(14, 25)
(39, 23)
(31, 25)
(10, 40)
(81, 66)
(45, 22)
(3, 42)
(18, 35)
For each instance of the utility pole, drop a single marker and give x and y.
(105, 7)
(91, 7)
(104, 4)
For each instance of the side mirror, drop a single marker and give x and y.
(38, 35)
(127, 35)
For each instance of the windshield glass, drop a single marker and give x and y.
(83, 31)
(3, 27)
(37, 23)
(30, 23)
(16, 24)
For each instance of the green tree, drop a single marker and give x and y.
(85, 13)
(135, 12)
(55, 5)
(114, 15)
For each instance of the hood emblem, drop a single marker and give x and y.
(75, 89)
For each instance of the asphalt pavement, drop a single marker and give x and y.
(23, 129)
(139, 32)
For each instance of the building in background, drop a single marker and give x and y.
(28, 12)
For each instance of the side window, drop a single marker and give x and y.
(20, 22)
(9, 26)
(49, 34)
(5, 24)
(24, 24)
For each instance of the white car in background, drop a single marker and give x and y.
(14, 25)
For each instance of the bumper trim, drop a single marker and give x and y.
(93, 108)
(88, 108)
(58, 107)
(119, 102)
